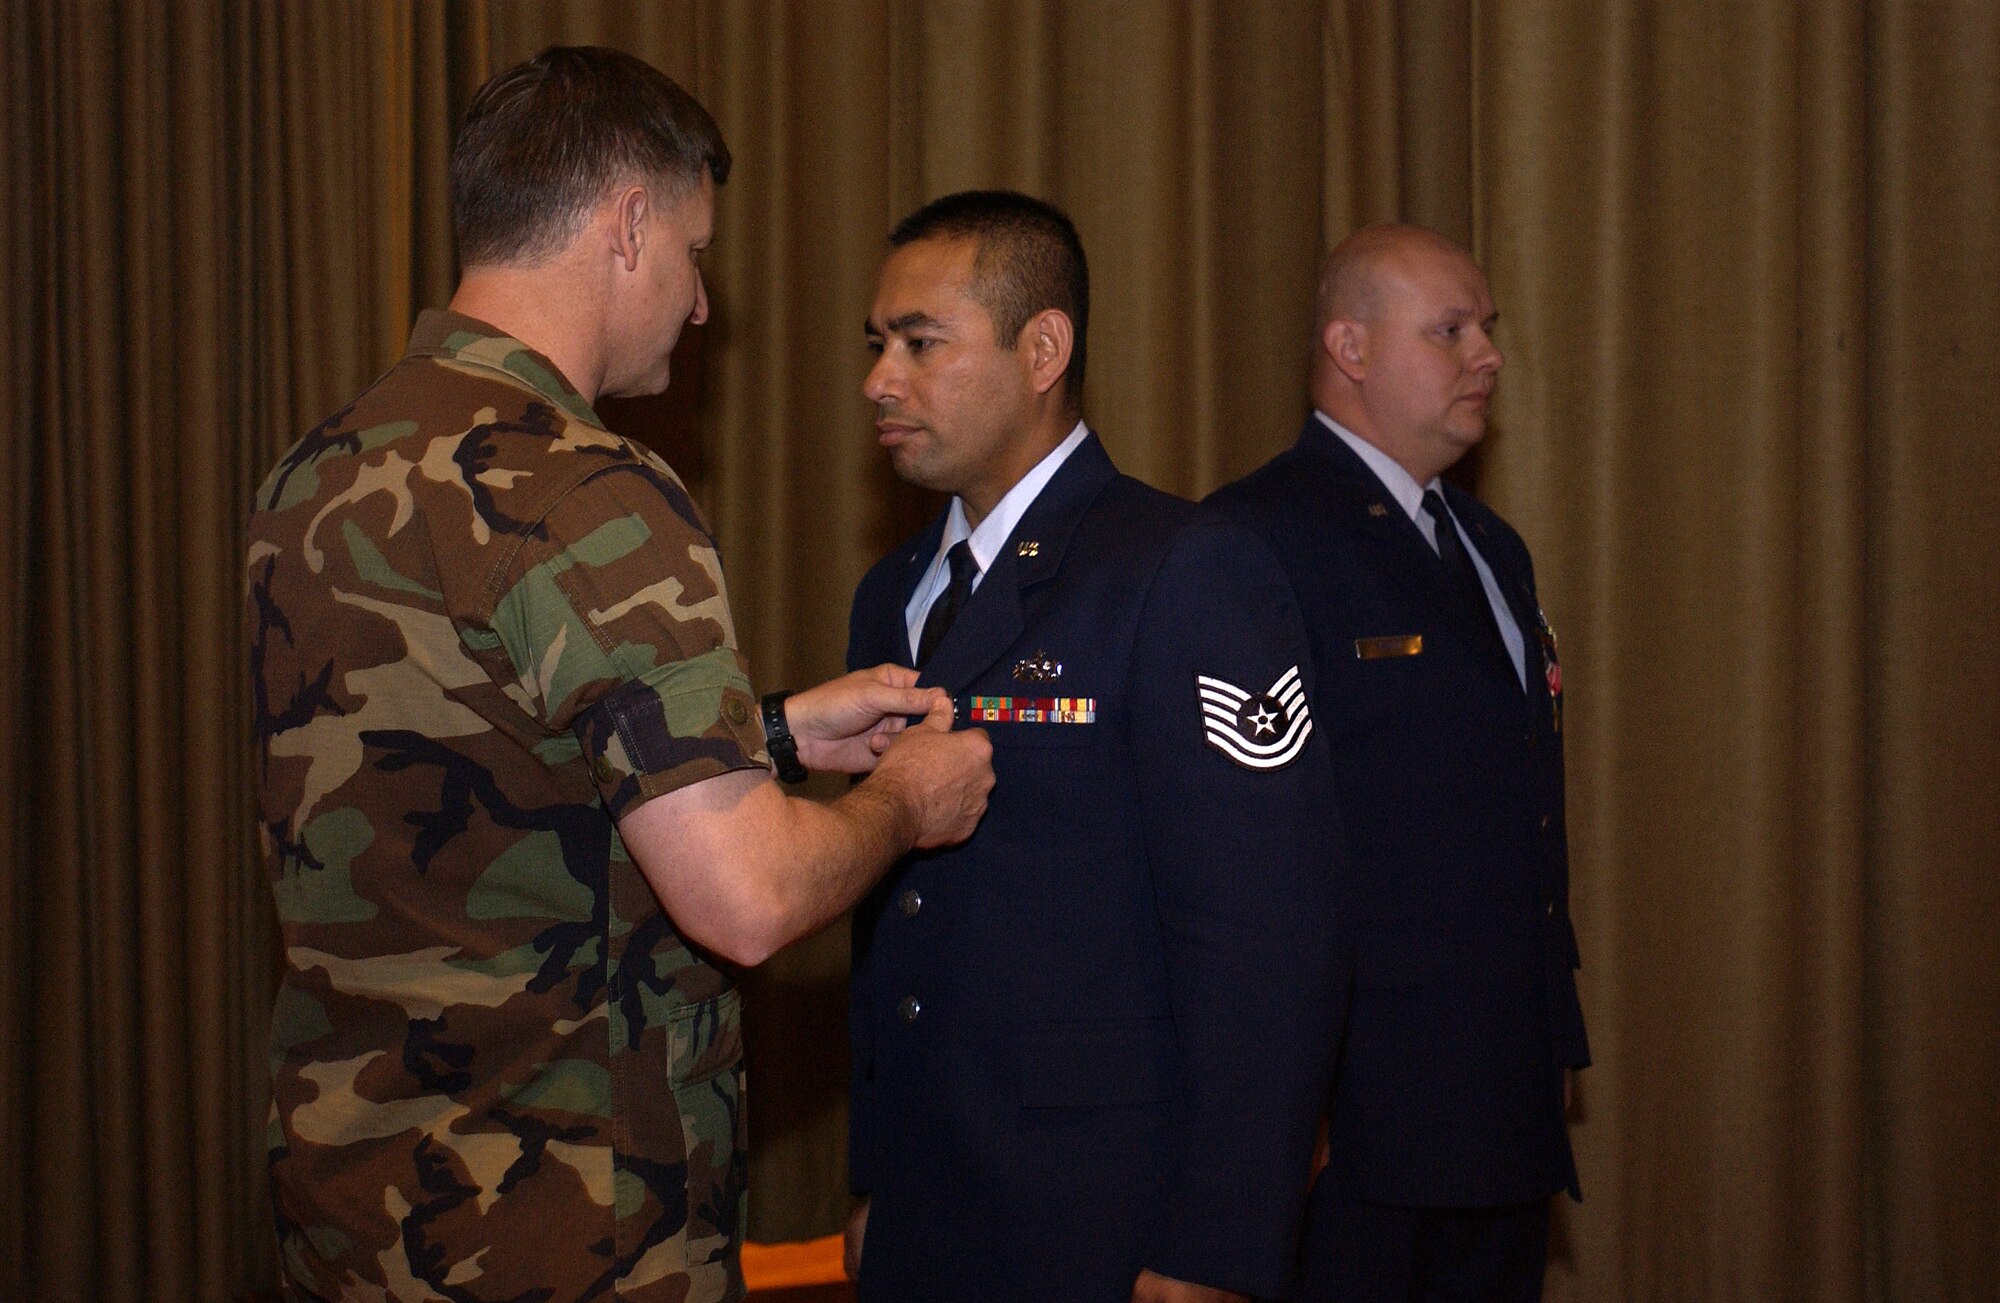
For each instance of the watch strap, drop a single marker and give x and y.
(778, 739)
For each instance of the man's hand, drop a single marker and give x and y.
(850, 1240)
(941, 777)
(744, 869)
(1151, 1287)
(845, 723)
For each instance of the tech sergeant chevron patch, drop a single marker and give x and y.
(1258, 730)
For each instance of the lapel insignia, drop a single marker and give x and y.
(1038, 669)
(1028, 547)
(1032, 710)
(1377, 510)
(1552, 670)
(1257, 730)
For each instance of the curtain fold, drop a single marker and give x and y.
(1685, 446)
(1747, 260)
(1933, 988)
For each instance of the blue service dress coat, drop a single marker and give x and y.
(1095, 1037)
(1449, 782)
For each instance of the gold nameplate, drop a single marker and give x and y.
(1374, 649)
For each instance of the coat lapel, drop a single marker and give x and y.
(1367, 510)
(890, 630)
(991, 621)
(1370, 513)
(1515, 586)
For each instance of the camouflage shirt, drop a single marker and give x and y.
(483, 629)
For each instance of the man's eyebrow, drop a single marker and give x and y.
(1467, 313)
(913, 321)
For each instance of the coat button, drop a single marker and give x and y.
(735, 711)
(908, 1008)
(602, 768)
(911, 900)
(1551, 910)
(1545, 823)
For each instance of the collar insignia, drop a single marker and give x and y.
(1028, 547)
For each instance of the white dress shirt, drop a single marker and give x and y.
(1409, 495)
(989, 538)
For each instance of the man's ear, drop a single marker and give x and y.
(629, 210)
(1050, 338)
(1346, 344)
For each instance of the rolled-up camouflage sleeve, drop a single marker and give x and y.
(616, 621)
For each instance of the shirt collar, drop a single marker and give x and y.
(998, 527)
(455, 337)
(1402, 485)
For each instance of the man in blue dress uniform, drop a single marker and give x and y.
(1440, 699)
(1090, 1045)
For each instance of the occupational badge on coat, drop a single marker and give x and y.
(1257, 730)
(1552, 670)
(1037, 668)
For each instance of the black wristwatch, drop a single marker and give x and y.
(778, 739)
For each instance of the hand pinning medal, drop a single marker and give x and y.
(1257, 730)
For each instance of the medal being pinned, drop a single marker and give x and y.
(1552, 670)
(1258, 730)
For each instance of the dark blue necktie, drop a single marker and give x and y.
(945, 609)
(1458, 564)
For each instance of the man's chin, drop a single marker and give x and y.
(654, 385)
(912, 468)
(643, 387)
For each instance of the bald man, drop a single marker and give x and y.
(1441, 699)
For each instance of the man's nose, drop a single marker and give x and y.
(881, 379)
(1487, 355)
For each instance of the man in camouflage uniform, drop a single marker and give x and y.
(513, 778)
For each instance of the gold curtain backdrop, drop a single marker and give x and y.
(1747, 258)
